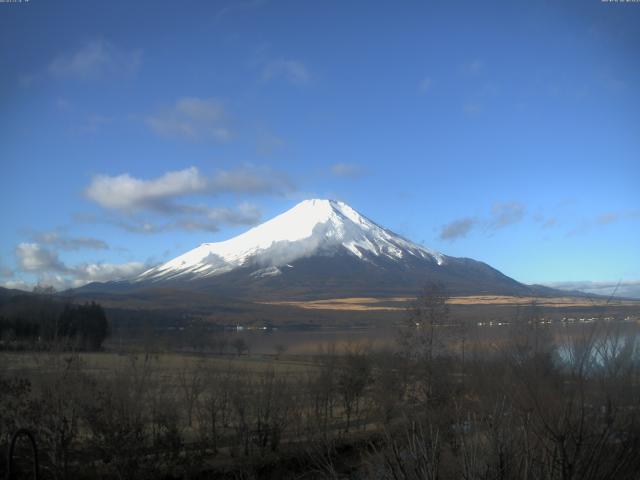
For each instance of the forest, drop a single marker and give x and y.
(40, 320)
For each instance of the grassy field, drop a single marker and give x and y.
(137, 412)
(167, 365)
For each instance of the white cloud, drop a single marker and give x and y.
(504, 214)
(292, 71)
(139, 200)
(96, 59)
(124, 192)
(623, 288)
(607, 218)
(244, 214)
(105, 272)
(65, 242)
(34, 258)
(200, 219)
(81, 275)
(457, 229)
(193, 118)
(613, 217)
(55, 280)
(347, 170)
(425, 85)
(188, 224)
(603, 220)
(51, 271)
(136, 226)
(17, 284)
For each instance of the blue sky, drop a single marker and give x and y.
(508, 132)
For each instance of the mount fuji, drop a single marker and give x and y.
(319, 249)
(313, 227)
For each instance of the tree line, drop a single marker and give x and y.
(30, 320)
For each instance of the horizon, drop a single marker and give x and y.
(139, 132)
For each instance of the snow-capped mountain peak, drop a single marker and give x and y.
(311, 227)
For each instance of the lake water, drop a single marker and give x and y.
(311, 341)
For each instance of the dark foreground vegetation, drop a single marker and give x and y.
(38, 320)
(439, 406)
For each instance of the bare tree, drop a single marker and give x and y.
(214, 409)
(353, 377)
(412, 454)
(421, 337)
(387, 389)
(240, 345)
(271, 410)
(280, 350)
(321, 386)
(191, 382)
(117, 416)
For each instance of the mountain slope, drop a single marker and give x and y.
(311, 227)
(323, 248)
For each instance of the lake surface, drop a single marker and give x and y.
(312, 341)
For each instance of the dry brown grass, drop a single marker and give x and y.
(401, 303)
(167, 364)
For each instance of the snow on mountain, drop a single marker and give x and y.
(309, 228)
